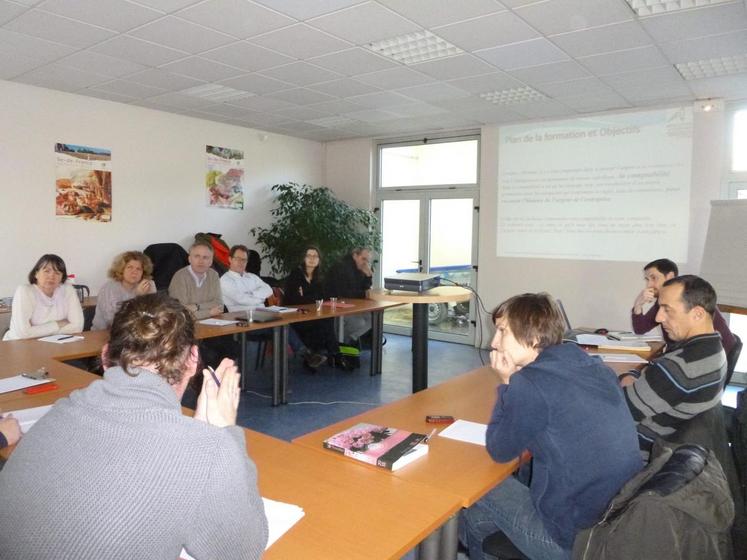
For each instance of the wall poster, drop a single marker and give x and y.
(84, 182)
(224, 177)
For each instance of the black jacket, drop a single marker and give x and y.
(346, 281)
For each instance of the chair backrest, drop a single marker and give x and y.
(254, 264)
(82, 290)
(167, 258)
(732, 358)
(277, 296)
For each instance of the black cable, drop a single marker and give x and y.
(480, 306)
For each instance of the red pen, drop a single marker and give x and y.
(43, 388)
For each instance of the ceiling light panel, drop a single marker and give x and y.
(712, 67)
(512, 96)
(215, 92)
(414, 47)
(652, 7)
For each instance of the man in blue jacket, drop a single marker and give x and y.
(567, 409)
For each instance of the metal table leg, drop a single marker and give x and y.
(284, 364)
(442, 543)
(277, 352)
(377, 341)
(242, 363)
(419, 346)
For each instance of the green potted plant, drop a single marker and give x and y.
(307, 215)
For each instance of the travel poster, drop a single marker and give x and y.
(84, 182)
(224, 179)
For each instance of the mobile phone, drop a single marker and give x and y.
(439, 419)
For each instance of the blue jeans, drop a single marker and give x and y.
(508, 507)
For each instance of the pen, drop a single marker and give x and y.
(429, 436)
(65, 337)
(613, 337)
(215, 377)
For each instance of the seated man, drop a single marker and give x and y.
(688, 379)
(116, 470)
(197, 286)
(351, 277)
(242, 290)
(565, 407)
(655, 274)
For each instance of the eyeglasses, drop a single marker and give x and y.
(240, 259)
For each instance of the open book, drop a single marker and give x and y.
(378, 445)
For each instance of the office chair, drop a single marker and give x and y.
(732, 358)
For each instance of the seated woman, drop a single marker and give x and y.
(304, 285)
(566, 408)
(130, 275)
(46, 305)
(116, 470)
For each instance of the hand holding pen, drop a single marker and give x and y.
(219, 398)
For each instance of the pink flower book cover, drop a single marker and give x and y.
(377, 445)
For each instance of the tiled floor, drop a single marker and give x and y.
(346, 394)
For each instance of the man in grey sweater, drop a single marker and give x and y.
(116, 471)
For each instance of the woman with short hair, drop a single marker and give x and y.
(47, 304)
(130, 275)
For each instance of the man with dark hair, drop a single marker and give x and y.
(688, 379)
(197, 286)
(351, 278)
(242, 289)
(655, 274)
(565, 407)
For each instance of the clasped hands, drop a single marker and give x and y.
(218, 405)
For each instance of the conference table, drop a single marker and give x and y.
(420, 302)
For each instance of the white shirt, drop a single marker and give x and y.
(240, 292)
(35, 315)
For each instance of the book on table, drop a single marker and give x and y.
(385, 447)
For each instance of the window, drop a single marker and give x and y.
(429, 163)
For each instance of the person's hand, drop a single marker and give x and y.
(11, 429)
(626, 380)
(646, 296)
(217, 310)
(503, 365)
(365, 268)
(62, 323)
(144, 287)
(217, 406)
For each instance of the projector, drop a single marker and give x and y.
(412, 281)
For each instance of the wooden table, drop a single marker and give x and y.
(420, 301)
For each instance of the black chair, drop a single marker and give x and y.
(167, 258)
(732, 358)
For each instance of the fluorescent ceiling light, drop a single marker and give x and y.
(215, 92)
(651, 7)
(712, 67)
(414, 47)
(512, 96)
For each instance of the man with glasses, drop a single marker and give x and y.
(241, 289)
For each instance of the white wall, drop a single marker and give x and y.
(595, 293)
(158, 168)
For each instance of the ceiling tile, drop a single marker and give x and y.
(101, 64)
(159, 78)
(555, 72)
(260, 103)
(108, 95)
(12, 66)
(59, 77)
(202, 69)
(239, 18)
(131, 89)
(624, 61)
(364, 23)
(179, 100)
(432, 13)
(372, 115)
(304, 9)
(654, 83)
(487, 82)
(542, 109)
(301, 41)
(58, 29)
(596, 102)
(488, 31)
(728, 87)
(712, 46)
(337, 106)
(304, 113)
(226, 110)
(380, 99)
(433, 92)
(416, 110)
(350, 62)
(302, 96)
(709, 20)
(345, 87)
(393, 78)
(142, 52)
(584, 86)
(10, 10)
(454, 67)
(522, 55)
(118, 15)
(246, 56)
(491, 114)
(166, 6)
(256, 84)
(560, 16)
(183, 35)
(301, 73)
(33, 48)
(608, 38)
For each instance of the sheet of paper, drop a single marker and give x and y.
(602, 340)
(280, 518)
(217, 322)
(27, 417)
(622, 358)
(61, 338)
(18, 382)
(279, 309)
(624, 335)
(464, 430)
